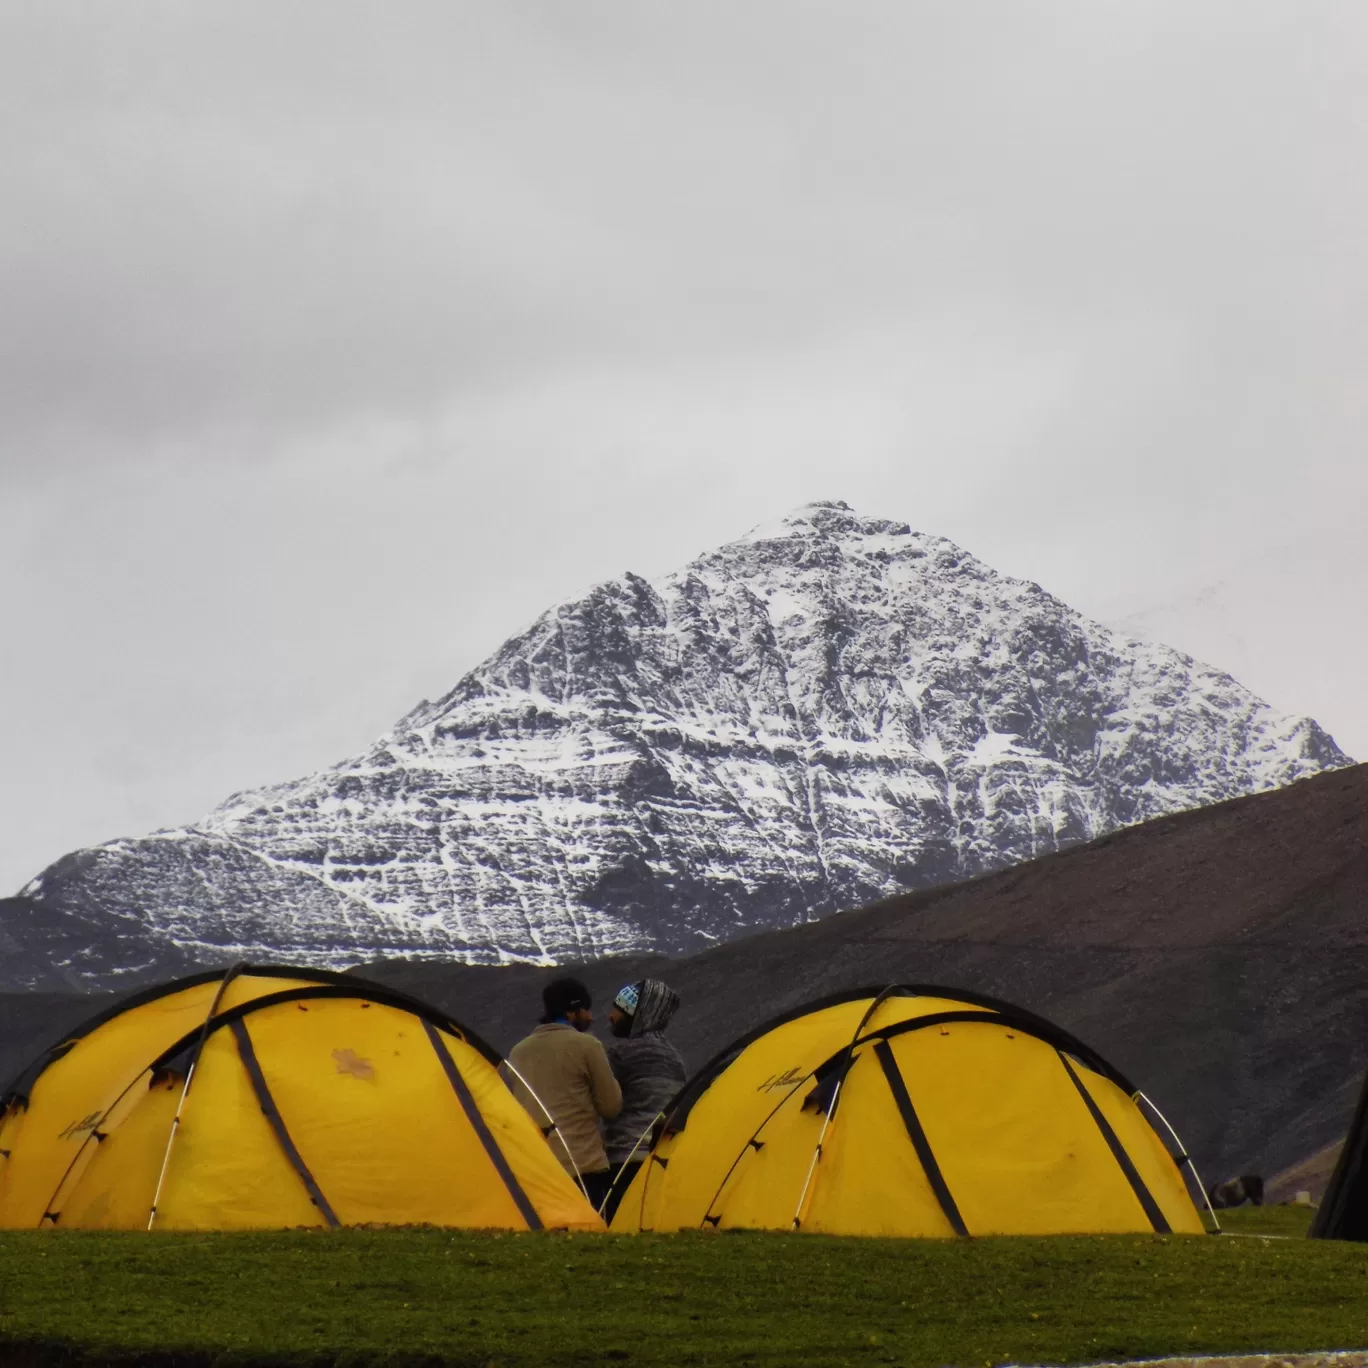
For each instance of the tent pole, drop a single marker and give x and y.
(1186, 1159)
(816, 1155)
(751, 1144)
(229, 975)
(835, 1095)
(754, 1144)
(612, 1187)
(96, 1133)
(555, 1129)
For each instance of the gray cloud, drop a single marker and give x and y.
(340, 339)
(246, 214)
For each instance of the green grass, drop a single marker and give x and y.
(439, 1297)
(1267, 1220)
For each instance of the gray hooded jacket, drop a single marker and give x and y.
(648, 1069)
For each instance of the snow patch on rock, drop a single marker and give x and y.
(828, 711)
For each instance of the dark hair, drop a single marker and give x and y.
(562, 996)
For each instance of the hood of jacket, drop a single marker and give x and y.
(657, 1002)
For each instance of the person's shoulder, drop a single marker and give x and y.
(528, 1042)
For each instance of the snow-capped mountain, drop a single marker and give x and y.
(830, 710)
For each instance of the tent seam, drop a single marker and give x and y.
(1143, 1195)
(917, 1134)
(277, 1122)
(481, 1129)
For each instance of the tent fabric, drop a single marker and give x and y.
(1343, 1213)
(313, 1099)
(909, 1111)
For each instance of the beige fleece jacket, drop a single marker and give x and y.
(569, 1072)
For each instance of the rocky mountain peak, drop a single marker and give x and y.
(829, 710)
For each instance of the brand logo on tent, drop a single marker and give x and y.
(788, 1079)
(86, 1123)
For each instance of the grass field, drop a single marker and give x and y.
(1268, 1220)
(438, 1297)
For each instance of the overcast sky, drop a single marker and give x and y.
(338, 340)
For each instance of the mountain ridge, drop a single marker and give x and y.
(1218, 957)
(829, 710)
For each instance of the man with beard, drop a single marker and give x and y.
(567, 1071)
(649, 1071)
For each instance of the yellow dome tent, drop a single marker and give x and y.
(263, 1097)
(910, 1111)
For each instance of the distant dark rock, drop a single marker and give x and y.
(46, 946)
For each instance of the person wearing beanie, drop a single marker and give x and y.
(649, 1071)
(571, 1084)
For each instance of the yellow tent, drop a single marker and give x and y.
(267, 1097)
(909, 1111)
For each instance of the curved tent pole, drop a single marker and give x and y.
(721, 1062)
(702, 1079)
(19, 1088)
(330, 983)
(555, 1129)
(357, 990)
(51, 1211)
(232, 972)
(816, 1155)
(999, 1013)
(842, 1070)
(1182, 1158)
(95, 1133)
(612, 1187)
(750, 1144)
